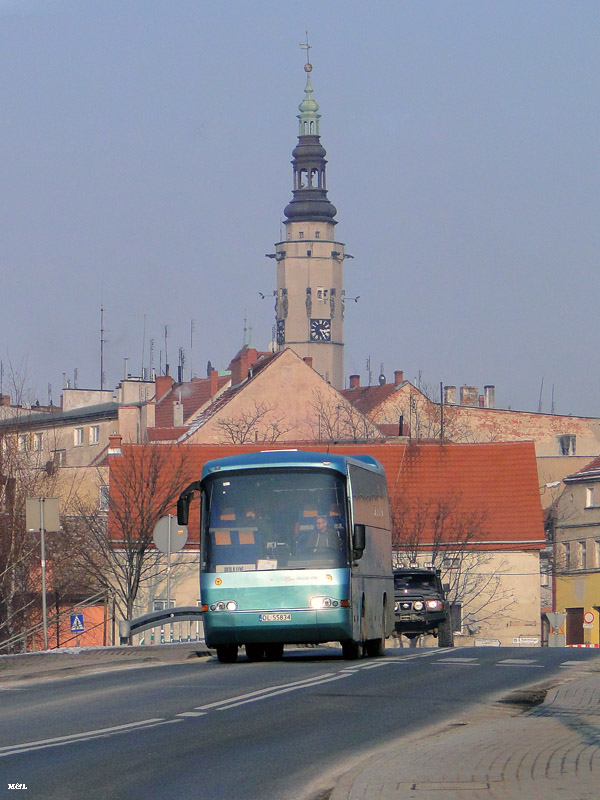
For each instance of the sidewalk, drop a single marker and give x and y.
(80, 660)
(497, 753)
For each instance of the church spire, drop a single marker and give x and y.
(309, 200)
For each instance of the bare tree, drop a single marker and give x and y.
(450, 538)
(117, 548)
(333, 419)
(260, 423)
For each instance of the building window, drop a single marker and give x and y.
(301, 235)
(596, 554)
(78, 437)
(94, 434)
(162, 605)
(580, 549)
(23, 443)
(103, 499)
(589, 497)
(38, 441)
(59, 457)
(566, 444)
(317, 234)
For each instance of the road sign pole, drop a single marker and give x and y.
(169, 566)
(43, 559)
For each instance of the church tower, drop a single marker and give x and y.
(310, 295)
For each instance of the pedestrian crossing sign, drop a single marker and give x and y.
(77, 623)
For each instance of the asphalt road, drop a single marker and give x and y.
(242, 731)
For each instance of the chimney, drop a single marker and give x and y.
(481, 399)
(354, 381)
(449, 395)
(469, 396)
(214, 382)
(308, 360)
(398, 377)
(163, 385)
(114, 444)
(489, 395)
(177, 414)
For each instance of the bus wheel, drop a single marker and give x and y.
(255, 652)
(351, 650)
(227, 653)
(274, 651)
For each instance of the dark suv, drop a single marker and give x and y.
(421, 606)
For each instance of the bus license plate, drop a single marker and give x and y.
(275, 617)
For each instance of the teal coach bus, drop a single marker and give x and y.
(295, 548)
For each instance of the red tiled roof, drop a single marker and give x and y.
(498, 479)
(367, 398)
(593, 466)
(194, 394)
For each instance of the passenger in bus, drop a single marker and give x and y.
(323, 537)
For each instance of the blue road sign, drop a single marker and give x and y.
(77, 625)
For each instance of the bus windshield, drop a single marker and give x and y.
(274, 519)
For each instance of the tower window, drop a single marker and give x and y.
(317, 234)
(301, 235)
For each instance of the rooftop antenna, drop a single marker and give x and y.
(245, 341)
(143, 347)
(192, 328)
(75, 377)
(552, 406)
(102, 341)
(151, 358)
(540, 400)
(49, 394)
(369, 373)
(166, 350)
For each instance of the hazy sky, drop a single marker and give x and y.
(145, 152)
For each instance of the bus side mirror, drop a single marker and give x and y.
(358, 540)
(183, 509)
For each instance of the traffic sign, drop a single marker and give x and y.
(588, 617)
(77, 625)
(169, 537)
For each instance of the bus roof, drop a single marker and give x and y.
(290, 458)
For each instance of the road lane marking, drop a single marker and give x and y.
(283, 691)
(260, 692)
(58, 741)
(192, 714)
(472, 662)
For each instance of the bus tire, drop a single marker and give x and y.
(351, 650)
(227, 653)
(274, 651)
(376, 647)
(255, 652)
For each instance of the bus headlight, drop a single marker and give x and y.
(323, 602)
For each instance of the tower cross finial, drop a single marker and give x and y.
(306, 46)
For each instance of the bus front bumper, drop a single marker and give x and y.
(287, 627)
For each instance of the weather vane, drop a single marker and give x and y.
(306, 46)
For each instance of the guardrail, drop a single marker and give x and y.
(173, 617)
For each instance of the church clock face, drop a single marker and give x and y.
(280, 331)
(320, 330)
